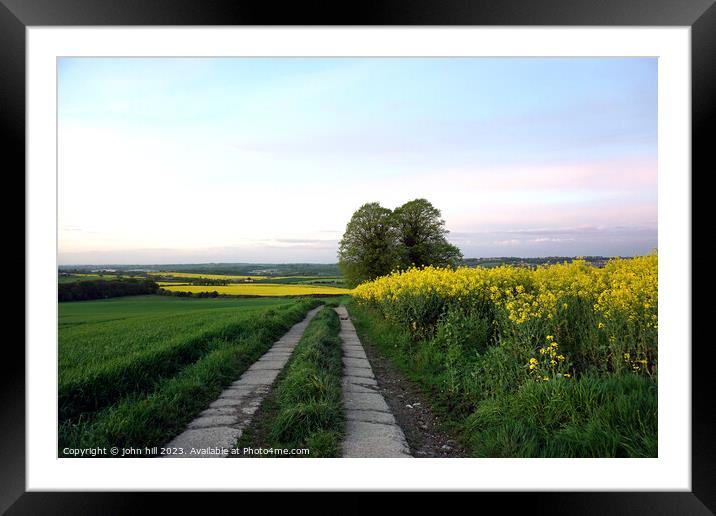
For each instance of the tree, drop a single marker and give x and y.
(421, 236)
(368, 247)
(378, 241)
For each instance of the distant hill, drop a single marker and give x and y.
(239, 269)
(307, 269)
(597, 261)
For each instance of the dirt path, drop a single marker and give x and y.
(411, 409)
(216, 430)
(371, 429)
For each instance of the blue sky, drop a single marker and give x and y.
(265, 159)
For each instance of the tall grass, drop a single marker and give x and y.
(613, 416)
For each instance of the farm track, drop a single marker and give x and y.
(217, 428)
(412, 407)
(371, 428)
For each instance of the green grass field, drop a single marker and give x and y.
(134, 370)
(122, 308)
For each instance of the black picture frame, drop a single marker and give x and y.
(699, 15)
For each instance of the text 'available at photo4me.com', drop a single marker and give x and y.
(154, 451)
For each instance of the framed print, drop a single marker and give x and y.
(444, 233)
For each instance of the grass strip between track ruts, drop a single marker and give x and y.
(151, 420)
(305, 410)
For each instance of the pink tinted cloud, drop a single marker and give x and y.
(615, 174)
(536, 215)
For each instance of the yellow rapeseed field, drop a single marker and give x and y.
(260, 289)
(623, 287)
(616, 304)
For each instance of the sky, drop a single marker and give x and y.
(265, 159)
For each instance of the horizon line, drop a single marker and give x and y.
(578, 256)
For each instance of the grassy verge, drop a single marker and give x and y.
(151, 420)
(589, 416)
(592, 416)
(305, 409)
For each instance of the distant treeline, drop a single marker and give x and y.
(598, 261)
(238, 269)
(102, 289)
(205, 281)
(67, 271)
(179, 293)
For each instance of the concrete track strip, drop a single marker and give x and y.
(217, 428)
(371, 430)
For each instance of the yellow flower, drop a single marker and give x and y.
(622, 295)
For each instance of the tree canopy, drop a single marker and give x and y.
(102, 289)
(378, 241)
(368, 247)
(421, 236)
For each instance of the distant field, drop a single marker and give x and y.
(136, 369)
(228, 277)
(261, 289)
(290, 269)
(241, 278)
(302, 280)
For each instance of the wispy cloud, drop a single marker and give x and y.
(567, 241)
(545, 239)
(506, 243)
(301, 243)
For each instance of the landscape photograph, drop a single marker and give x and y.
(309, 257)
